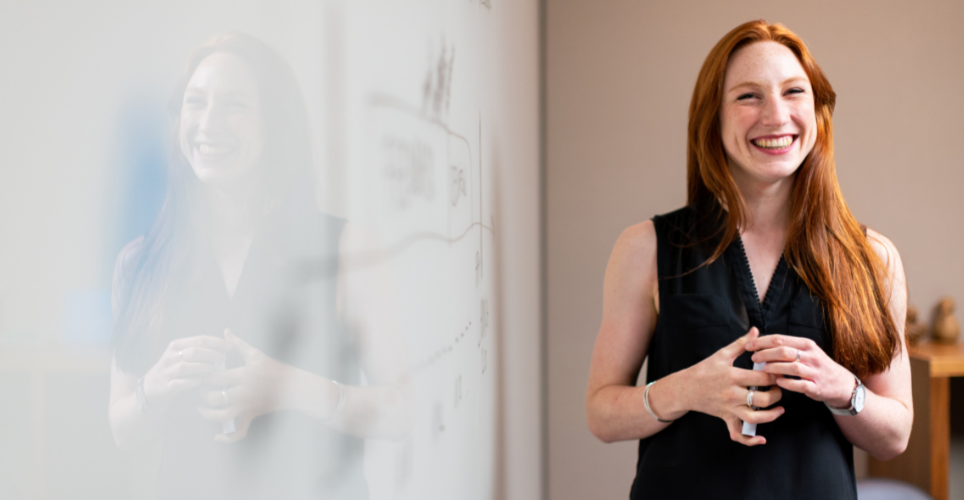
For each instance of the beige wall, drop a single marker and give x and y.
(619, 78)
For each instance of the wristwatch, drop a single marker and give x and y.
(856, 401)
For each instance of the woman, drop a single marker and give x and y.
(764, 214)
(239, 340)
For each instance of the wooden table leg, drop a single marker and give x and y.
(940, 423)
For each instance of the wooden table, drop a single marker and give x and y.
(926, 462)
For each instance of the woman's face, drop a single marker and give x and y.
(767, 118)
(221, 132)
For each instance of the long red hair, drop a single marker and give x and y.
(825, 245)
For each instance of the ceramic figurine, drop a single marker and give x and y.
(914, 331)
(946, 327)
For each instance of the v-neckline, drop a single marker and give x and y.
(762, 306)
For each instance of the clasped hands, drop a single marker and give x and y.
(244, 393)
(720, 389)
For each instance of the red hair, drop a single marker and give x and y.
(825, 245)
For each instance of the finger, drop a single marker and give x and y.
(176, 386)
(750, 378)
(225, 378)
(802, 386)
(759, 416)
(242, 423)
(738, 346)
(795, 369)
(217, 399)
(202, 355)
(185, 370)
(218, 414)
(204, 341)
(771, 341)
(735, 426)
(773, 354)
(767, 398)
(247, 352)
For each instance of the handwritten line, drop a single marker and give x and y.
(324, 268)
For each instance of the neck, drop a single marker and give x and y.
(230, 215)
(767, 204)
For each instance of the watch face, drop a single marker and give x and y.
(859, 398)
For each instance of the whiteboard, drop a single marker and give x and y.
(418, 177)
(424, 122)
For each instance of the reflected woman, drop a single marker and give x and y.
(765, 264)
(233, 346)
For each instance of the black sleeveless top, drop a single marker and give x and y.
(701, 310)
(284, 305)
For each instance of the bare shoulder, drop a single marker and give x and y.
(886, 250)
(637, 243)
(632, 265)
(897, 282)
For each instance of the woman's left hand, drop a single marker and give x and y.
(246, 392)
(821, 378)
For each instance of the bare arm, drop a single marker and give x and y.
(132, 428)
(883, 427)
(614, 406)
(385, 407)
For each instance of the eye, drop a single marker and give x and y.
(796, 90)
(745, 96)
(194, 101)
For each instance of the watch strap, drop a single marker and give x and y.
(852, 410)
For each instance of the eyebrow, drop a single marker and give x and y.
(756, 84)
(231, 93)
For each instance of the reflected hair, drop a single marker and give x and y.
(167, 257)
(825, 246)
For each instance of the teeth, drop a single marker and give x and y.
(774, 143)
(207, 149)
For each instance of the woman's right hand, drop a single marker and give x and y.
(182, 367)
(717, 388)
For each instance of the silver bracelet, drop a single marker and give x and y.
(646, 403)
(341, 400)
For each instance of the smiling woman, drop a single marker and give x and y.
(247, 371)
(815, 363)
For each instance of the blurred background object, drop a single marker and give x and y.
(913, 330)
(946, 328)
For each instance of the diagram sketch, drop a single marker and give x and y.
(418, 180)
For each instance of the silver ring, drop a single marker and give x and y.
(224, 397)
(180, 355)
(749, 398)
(799, 354)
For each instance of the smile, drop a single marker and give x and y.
(778, 143)
(774, 145)
(209, 150)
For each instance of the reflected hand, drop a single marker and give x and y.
(246, 392)
(718, 388)
(182, 366)
(821, 378)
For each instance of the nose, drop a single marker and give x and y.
(211, 118)
(776, 112)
